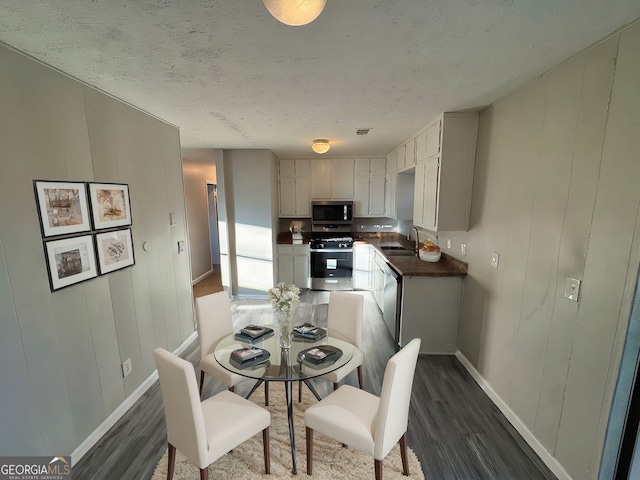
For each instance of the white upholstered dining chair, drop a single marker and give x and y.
(369, 424)
(345, 316)
(205, 431)
(213, 314)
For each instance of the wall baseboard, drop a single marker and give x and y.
(201, 277)
(549, 460)
(128, 402)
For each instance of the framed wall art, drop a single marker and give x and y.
(115, 250)
(70, 260)
(110, 205)
(62, 207)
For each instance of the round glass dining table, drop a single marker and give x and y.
(285, 365)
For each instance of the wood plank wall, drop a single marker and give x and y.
(556, 195)
(61, 351)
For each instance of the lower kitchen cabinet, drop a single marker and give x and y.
(362, 267)
(293, 265)
(431, 311)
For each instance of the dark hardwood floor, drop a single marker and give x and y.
(454, 428)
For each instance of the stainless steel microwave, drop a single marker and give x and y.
(332, 212)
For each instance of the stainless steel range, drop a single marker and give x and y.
(332, 263)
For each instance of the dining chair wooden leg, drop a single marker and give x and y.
(360, 376)
(378, 468)
(266, 394)
(403, 454)
(204, 473)
(299, 391)
(309, 451)
(171, 461)
(201, 380)
(265, 449)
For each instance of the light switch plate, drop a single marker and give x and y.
(127, 368)
(495, 259)
(463, 249)
(572, 289)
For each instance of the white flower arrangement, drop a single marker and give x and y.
(284, 297)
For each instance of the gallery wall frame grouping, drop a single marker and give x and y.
(81, 225)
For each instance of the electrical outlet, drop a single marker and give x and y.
(495, 259)
(448, 243)
(127, 368)
(572, 289)
(181, 246)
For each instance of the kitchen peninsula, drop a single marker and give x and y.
(427, 295)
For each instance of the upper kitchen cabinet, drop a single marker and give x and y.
(433, 137)
(392, 162)
(332, 178)
(421, 147)
(443, 182)
(369, 187)
(295, 187)
(409, 157)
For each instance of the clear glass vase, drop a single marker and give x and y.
(285, 327)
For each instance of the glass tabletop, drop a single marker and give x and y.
(288, 364)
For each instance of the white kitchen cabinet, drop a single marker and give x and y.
(443, 183)
(294, 265)
(400, 159)
(392, 162)
(378, 167)
(362, 266)
(409, 157)
(421, 147)
(321, 178)
(377, 277)
(433, 137)
(332, 178)
(342, 178)
(369, 199)
(295, 198)
(390, 196)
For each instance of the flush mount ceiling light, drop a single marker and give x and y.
(295, 12)
(320, 146)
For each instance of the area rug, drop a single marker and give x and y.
(330, 460)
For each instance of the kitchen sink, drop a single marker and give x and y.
(399, 253)
(396, 250)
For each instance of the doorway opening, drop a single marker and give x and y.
(212, 283)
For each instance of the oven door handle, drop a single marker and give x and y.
(331, 250)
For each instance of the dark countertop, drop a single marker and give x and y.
(409, 266)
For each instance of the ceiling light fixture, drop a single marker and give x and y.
(320, 146)
(295, 12)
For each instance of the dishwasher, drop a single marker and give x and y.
(392, 301)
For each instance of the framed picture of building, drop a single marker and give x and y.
(115, 250)
(62, 207)
(110, 205)
(70, 261)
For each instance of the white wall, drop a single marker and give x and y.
(61, 351)
(251, 189)
(556, 194)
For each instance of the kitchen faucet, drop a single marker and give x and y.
(417, 248)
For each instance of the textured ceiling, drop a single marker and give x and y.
(231, 76)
